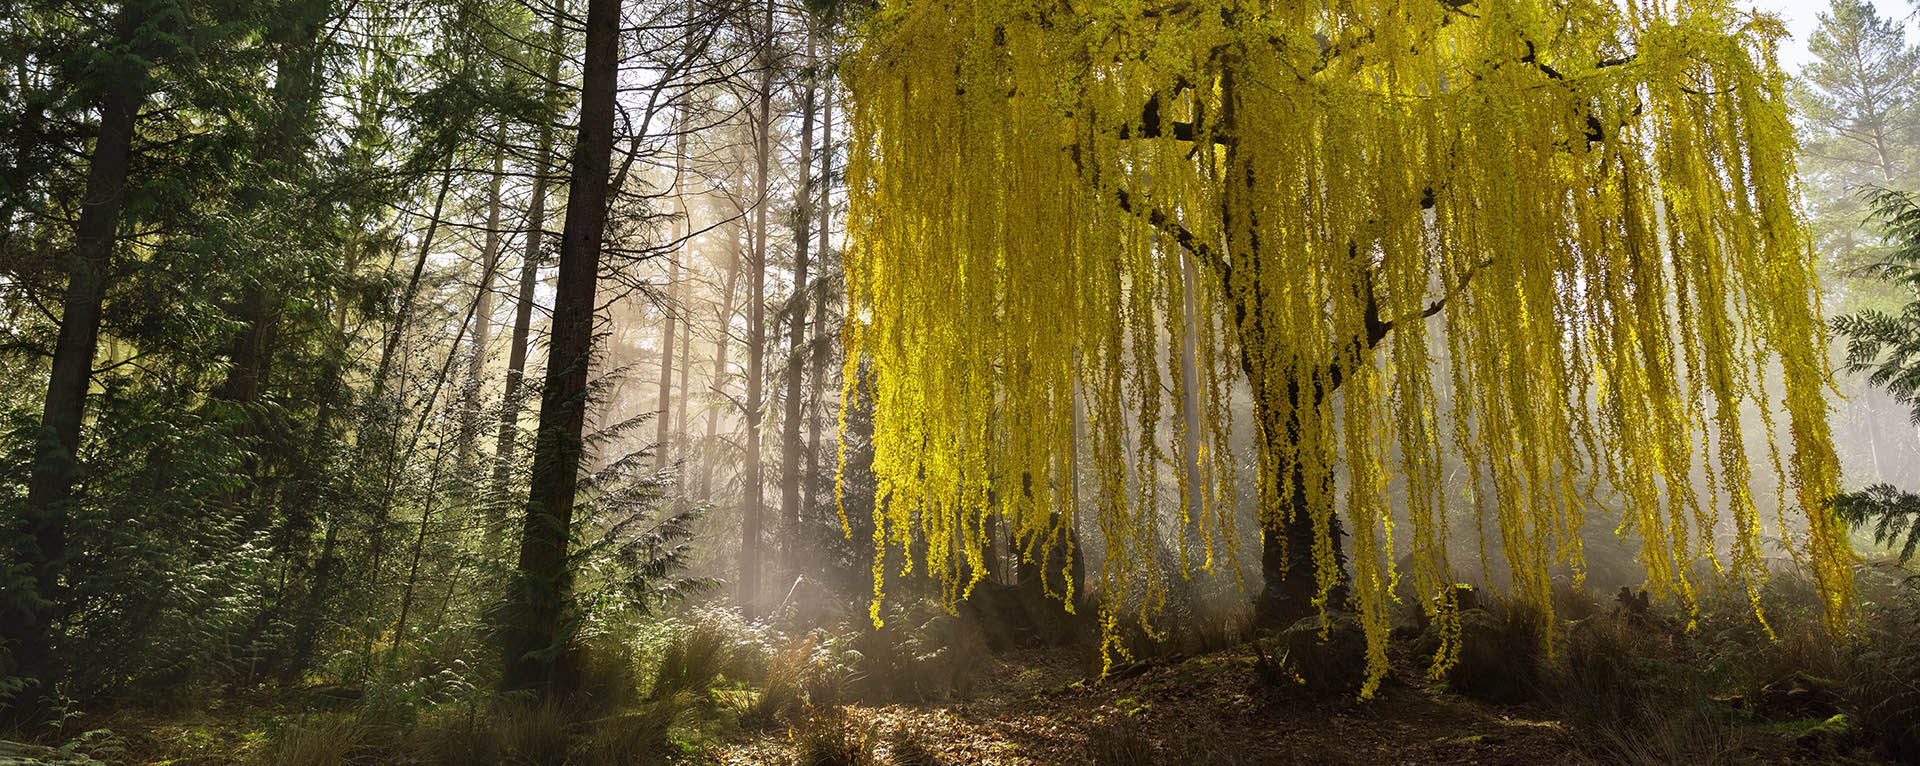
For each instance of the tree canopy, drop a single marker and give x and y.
(1057, 208)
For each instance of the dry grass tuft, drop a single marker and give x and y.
(834, 738)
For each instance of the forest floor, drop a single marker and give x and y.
(1039, 709)
(1045, 708)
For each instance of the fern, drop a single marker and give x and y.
(1886, 345)
(1894, 515)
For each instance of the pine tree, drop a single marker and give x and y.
(1858, 104)
(1860, 101)
(535, 643)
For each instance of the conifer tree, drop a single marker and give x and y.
(1859, 97)
(535, 641)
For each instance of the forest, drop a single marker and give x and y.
(937, 382)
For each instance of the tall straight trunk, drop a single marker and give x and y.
(392, 342)
(675, 310)
(251, 355)
(1288, 571)
(679, 435)
(797, 333)
(1190, 423)
(296, 95)
(419, 548)
(717, 377)
(482, 312)
(309, 618)
(750, 522)
(55, 469)
(819, 360)
(535, 645)
(664, 415)
(387, 443)
(419, 429)
(250, 360)
(298, 68)
(507, 443)
(665, 423)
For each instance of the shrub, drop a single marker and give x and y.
(538, 735)
(1610, 668)
(1881, 691)
(1115, 743)
(1662, 736)
(608, 673)
(1301, 659)
(783, 694)
(324, 740)
(1502, 653)
(634, 737)
(904, 748)
(920, 652)
(833, 737)
(693, 661)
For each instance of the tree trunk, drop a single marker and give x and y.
(482, 313)
(755, 486)
(824, 229)
(384, 436)
(679, 434)
(664, 415)
(533, 636)
(1287, 569)
(1191, 428)
(790, 477)
(55, 468)
(405, 312)
(509, 436)
(296, 67)
(1286, 533)
(419, 548)
(309, 618)
(717, 378)
(251, 355)
(675, 309)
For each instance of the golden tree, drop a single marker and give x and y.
(1061, 209)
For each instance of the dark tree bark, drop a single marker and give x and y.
(482, 313)
(664, 419)
(670, 312)
(751, 523)
(508, 440)
(533, 635)
(1287, 570)
(679, 434)
(251, 355)
(813, 478)
(674, 309)
(382, 439)
(55, 469)
(296, 94)
(1287, 533)
(717, 377)
(790, 477)
(405, 313)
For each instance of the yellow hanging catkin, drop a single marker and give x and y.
(1059, 211)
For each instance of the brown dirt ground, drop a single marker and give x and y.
(1039, 709)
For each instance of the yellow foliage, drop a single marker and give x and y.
(1597, 200)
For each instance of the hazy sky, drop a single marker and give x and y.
(1803, 15)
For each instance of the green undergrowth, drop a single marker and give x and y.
(1627, 682)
